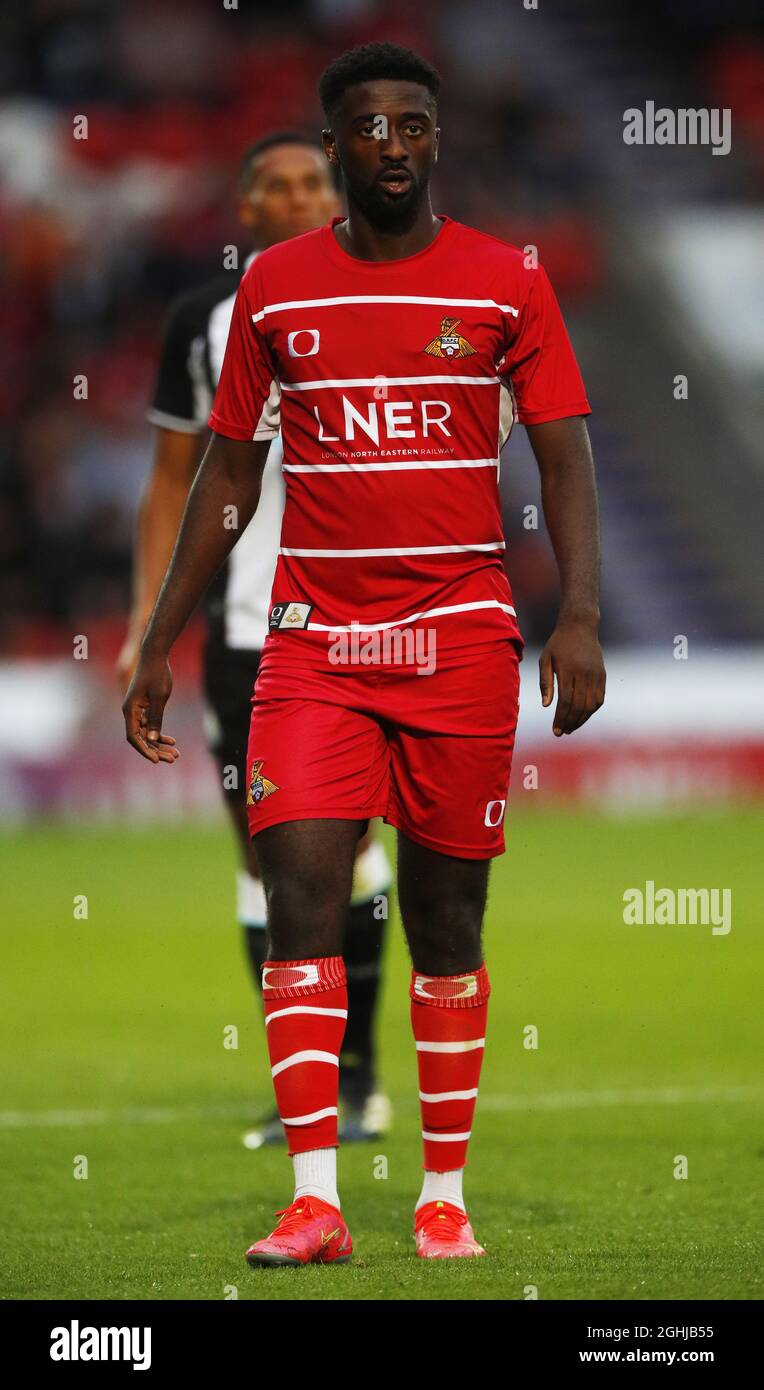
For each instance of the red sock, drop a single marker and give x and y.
(448, 1016)
(306, 1009)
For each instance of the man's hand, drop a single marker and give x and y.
(143, 709)
(573, 655)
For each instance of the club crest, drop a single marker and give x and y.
(259, 786)
(448, 343)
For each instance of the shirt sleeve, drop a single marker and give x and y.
(247, 403)
(539, 360)
(179, 401)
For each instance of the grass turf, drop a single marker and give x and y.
(117, 1021)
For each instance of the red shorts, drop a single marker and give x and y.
(431, 754)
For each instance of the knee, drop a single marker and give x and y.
(306, 913)
(302, 891)
(435, 907)
(307, 872)
(444, 934)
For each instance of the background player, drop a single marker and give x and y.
(285, 189)
(371, 538)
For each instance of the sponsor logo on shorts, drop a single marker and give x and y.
(447, 343)
(494, 813)
(289, 616)
(259, 786)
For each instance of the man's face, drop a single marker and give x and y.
(289, 192)
(385, 140)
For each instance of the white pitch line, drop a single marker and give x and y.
(545, 1100)
(595, 1100)
(132, 1115)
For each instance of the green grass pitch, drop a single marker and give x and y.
(649, 1047)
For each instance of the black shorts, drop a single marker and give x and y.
(229, 678)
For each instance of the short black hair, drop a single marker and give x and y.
(369, 62)
(267, 142)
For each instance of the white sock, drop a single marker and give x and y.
(442, 1187)
(251, 908)
(315, 1173)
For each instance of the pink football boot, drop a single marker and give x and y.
(442, 1232)
(310, 1232)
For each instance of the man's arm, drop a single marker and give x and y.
(569, 499)
(176, 459)
(230, 476)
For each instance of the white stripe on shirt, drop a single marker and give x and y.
(395, 550)
(440, 380)
(387, 467)
(382, 299)
(413, 617)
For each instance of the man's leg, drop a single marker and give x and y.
(363, 945)
(449, 789)
(442, 902)
(318, 771)
(307, 871)
(366, 1112)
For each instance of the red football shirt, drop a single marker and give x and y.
(395, 385)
